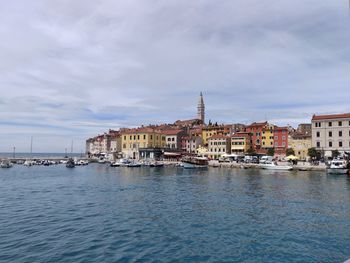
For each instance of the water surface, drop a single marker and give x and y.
(99, 213)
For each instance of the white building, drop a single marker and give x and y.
(331, 132)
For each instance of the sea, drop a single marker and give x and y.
(98, 213)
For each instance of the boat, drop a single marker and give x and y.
(70, 163)
(194, 162)
(156, 164)
(274, 166)
(338, 166)
(28, 163)
(5, 164)
(133, 164)
(121, 162)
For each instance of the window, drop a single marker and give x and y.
(330, 144)
(330, 134)
(125, 137)
(130, 137)
(340, 144)
(283, 144)
(318, 144)
(151, 137)
(330, 124)
(276, 144)
(144, 136)
(276, 137)
(134, 137)
(283, 138)
(138, 137)
(340, 123)
(340, 133)
(317, 134)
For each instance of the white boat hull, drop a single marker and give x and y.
(337, 171)
(277, 167)
(187, 165)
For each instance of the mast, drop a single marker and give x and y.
(31, 144)
(71, 148)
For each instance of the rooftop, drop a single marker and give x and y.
(331, 116)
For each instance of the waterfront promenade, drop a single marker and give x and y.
(98, 213)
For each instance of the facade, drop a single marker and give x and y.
(331, 132)
(173, 139)
(190, 144)
(280, 140)
(256, 130)
(300, 143)
(241, 143)
(218, 145)
(267, 137)
(135, 139)
(212, 130)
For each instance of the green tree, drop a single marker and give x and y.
(251, 151)
(313, 153)
(290, 151)
(335, 153)
(271, 152)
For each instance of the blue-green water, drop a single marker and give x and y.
(104, 214)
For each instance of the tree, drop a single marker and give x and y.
(290, 151)
(313, 153)
(271, 152)
(251, 151)
(335, 153)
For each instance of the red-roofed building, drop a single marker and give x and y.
(256, 130)
(241, 142)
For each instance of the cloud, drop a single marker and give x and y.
(72, 69)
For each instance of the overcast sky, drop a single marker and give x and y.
(70, 69)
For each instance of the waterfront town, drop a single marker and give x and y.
(325, 136)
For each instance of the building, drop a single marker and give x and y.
(280, 138)
(300, 143)
(211, 130)
(133, 140)
(173, 138)
(331, 132)
(304, 128)
(218, 145)
(267, 137)
(201, 109)
(241, 143)
(256, 130)
(190, 144)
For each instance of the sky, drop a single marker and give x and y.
(72, 69)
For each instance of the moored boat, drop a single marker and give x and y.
(338, 166)
(5, 164)
(194, 162)
(274, 166)
(70, 163)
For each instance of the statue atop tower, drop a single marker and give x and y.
(201, 109)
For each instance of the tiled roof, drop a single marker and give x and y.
(171, 132)
(331, 116)
(218, 136)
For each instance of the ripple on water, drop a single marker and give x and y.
(103, 214)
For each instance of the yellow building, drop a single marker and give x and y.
(211, 130)
(240, 143)
(267, 137)
(140, 138)
(300, 144)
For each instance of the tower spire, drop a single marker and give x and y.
(201, 108)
